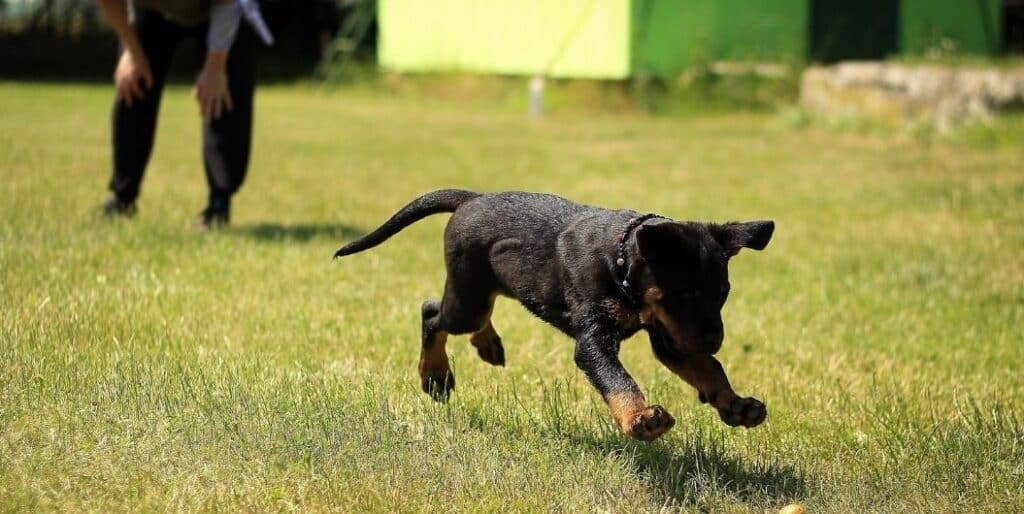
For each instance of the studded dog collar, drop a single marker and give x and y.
(622, 267)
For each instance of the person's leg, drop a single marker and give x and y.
(134, 126)
(227, 140)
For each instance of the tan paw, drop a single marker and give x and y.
(650, 423)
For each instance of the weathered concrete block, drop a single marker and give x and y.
(945, 96)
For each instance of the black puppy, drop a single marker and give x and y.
(596, 274)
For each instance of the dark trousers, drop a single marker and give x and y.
(226, 141)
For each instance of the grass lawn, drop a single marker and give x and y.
(145, 366)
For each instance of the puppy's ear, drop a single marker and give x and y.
(657, 241)
(735, 235)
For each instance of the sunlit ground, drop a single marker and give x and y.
(145, 366)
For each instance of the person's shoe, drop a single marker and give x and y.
(115, 208)
(213, 218)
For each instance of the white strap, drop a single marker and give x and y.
(251, 11)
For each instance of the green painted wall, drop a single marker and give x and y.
(614, 39)
(563, 38)
(973, 26)
(670, 35)
(769, 30)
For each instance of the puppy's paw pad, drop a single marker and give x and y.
(439, 387)
(651, 423)
(745, 412)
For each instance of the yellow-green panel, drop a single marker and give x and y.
(559, 38)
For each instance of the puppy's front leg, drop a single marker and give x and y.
(706, 375)
(597, 355)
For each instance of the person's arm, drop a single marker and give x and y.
(132, 72)
(211, 90)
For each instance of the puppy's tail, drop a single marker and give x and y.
(444, 200)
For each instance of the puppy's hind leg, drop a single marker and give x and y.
(436, 376)
(464, 309)
(487, 342)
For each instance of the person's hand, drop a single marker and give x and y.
(211, 91)
(132, 78)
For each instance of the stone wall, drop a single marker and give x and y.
(944, 95)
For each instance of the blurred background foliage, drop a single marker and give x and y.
(69, 40)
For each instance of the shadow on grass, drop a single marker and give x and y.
(693, 466)
(700, 469)
(279, 233)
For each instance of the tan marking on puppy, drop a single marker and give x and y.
(635, 418)
(487, 341)
(625, 407)
(653, 310)
(629, 318)
(433, 358)
(486, 334)
(651, 296)
(484, 337)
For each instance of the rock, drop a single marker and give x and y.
(944, 96)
